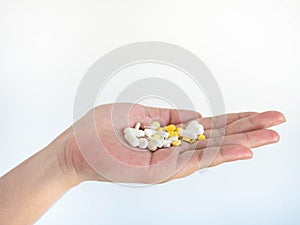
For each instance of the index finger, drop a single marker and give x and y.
(170, 116)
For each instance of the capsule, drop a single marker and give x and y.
(135, 132)
(132, 139)
(137, 126)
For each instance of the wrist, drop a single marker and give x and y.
(61, 148)
(72, 163)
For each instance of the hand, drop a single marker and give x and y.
(229, 138)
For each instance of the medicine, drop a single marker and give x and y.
(132, 139)
(155, 125)
(143, 143)
(192, 141)
(154, 144)
(192, 125)
(149, 132)
(163, 134)
(188, 133)
(155, 137)
(174, 138)
(137, 126)
(176, 143)
(136, 132)
(171, 133)
(186, 139)
(171, 127)
(160, 143)
(167, 143)
(201, 137)
(195, 127)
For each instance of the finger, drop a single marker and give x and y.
(170, 116)
(250, 139)
(189, 163)
(222, 120)
(178, 116)
(257, 121)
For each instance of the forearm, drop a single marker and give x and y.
(27, 191)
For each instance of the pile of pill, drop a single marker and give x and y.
(154, 136)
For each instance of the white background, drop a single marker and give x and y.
(252, 48)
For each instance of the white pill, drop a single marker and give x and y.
(135, 132)
(160, 143)
(152, 146)
(163, 134)
(174, 138)
(155, 143)
(192, 125)
(132, 139)
(155, 125)
(167, 143)
(149, 132)
(137, 126)
(195, 127)
(143, 143)
(188, 133)
(197, 130)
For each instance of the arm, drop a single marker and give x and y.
(31, 188)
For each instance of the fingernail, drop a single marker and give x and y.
(246, 156)
(281, 120)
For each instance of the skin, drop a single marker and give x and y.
(75, 156)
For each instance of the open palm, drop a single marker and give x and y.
(98, 151)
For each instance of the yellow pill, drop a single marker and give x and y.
(201, 137)
(186, 139)
(192, 141)
(176, 134)
(177, 130)
(176, 143)
(171, 133)
(171, 127)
